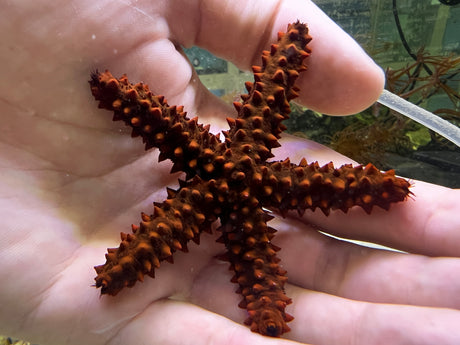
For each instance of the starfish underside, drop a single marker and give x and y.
(232, 181)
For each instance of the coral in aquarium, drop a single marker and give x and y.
(233, 181)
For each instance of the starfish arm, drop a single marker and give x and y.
(180, 218)
(289, 186)
(185, 142)
(253, 259)
(267, 103)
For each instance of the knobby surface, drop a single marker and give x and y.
(233, 181)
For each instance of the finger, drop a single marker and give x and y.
(319, 262)
(297, 148)
(341, 78)
(422, 224)
(325, 319)
(175, 322)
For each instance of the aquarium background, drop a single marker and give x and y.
(418, 44)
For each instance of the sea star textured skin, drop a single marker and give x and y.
(232, 181)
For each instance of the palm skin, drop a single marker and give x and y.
(71, 180)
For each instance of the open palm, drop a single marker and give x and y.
(71, 180)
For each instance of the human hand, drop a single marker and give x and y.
(72, 179)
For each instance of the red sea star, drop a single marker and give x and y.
(232, 181)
